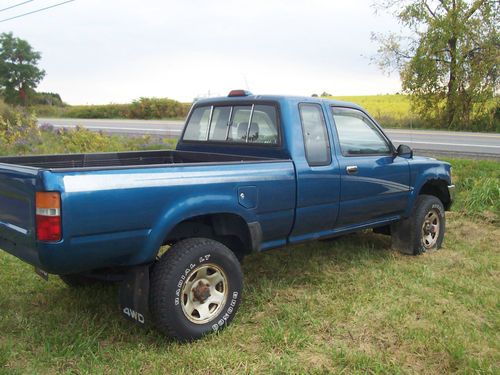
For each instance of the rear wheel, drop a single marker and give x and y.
(195, 289)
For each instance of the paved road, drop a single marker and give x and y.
(430, 142)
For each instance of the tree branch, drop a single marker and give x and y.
(475, 6)
(430, 10)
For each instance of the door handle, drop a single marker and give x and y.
(351, 169)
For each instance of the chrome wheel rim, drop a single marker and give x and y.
(204, 293)
(431, 229)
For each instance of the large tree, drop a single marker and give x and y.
(447, 55)
(19, 73)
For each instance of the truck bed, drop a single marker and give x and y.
(116, 208)
(123, 159)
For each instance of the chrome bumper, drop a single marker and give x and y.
(451, 191)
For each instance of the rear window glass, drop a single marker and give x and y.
(234, 124)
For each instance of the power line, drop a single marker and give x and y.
(36, 11)
(17, 5)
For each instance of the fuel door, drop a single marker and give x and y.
(247, 196)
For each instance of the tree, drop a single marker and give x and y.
(448, 62)
(19, 74)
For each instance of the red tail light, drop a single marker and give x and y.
(48, 216)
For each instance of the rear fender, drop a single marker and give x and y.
(184, 210)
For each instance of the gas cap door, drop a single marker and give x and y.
(247, 196)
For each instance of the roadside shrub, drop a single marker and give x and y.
(18, 130)
(143, 108)
(107, 111)
(46, 98)
(157, 108)
(20, 135)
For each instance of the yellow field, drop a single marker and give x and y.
(381, 106)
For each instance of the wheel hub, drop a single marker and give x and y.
(201, 292)
(430, 229)
(204, 293)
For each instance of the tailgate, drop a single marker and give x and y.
(17, 211)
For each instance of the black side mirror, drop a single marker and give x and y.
(404, 151)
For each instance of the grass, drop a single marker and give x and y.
(347, 306)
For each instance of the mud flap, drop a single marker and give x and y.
(402, 236)
(134, 295)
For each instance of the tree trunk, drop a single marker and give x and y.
(451, 95)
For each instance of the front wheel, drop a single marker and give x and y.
(424, 230)
(195, 289)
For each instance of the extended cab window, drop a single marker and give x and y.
(358, 135)
(234, 124)
(316, 143)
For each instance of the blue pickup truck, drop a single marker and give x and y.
(250, 173)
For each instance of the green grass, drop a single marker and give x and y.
(347, 306)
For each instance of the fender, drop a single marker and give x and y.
(421, 173)
(186, 209)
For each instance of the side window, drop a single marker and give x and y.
(316, 143)
(358, 135)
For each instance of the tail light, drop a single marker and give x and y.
(48, 216)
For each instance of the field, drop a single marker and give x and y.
(381, 106)
(346, 306)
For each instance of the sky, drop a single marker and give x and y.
(115, 51)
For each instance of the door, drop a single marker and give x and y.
(374, 182)
(318, 178)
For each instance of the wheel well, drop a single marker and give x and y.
(439, 189)
(229, 229)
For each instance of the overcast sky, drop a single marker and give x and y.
(119, 50)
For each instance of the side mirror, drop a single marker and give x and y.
(404, 151)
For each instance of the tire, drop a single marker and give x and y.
(424, 230)
(195, 289)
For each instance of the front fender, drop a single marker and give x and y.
(423, 170)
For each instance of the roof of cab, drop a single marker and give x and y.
(277, 98)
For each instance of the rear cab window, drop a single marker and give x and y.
(234, 123)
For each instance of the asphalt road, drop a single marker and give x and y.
(427, 142)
